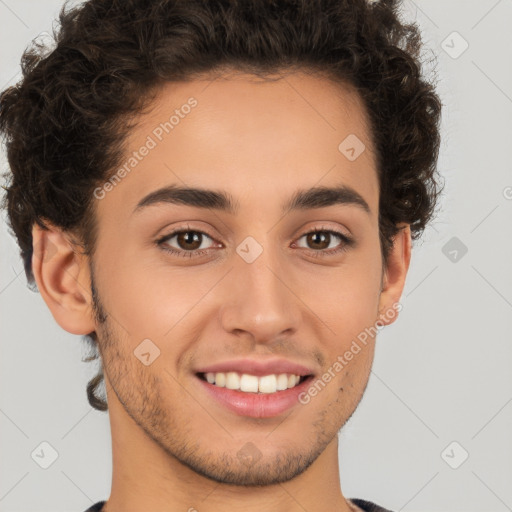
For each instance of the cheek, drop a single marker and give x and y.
(347, 302)
(148, 300)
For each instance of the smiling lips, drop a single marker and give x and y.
(259, 389)
(252, 383)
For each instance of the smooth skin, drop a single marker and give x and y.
(173, 447)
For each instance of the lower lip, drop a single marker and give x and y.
(256, 405)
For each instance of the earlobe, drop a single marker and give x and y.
(62, 276)
(395, 275)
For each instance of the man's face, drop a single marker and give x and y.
(259, 286)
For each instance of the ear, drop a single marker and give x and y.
(63, 279)
(394, 276)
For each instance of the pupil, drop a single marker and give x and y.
(189, 237)
(323, 236)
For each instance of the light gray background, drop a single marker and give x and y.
(442, 372)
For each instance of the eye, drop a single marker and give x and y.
(323, 238)
(189, 242)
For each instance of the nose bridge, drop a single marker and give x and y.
(260, 300)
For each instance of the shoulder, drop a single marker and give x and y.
(96, 507)
(368, 506)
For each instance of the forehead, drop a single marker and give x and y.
(242, 133)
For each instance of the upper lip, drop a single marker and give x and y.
(258, 367)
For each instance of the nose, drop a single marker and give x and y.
(262, 299)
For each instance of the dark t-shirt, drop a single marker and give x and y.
(367, 506)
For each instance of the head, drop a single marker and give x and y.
(253, 102)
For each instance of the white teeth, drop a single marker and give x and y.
(248, 383)
(232, 380)
(268, 384)
(252, 383)
(220, 380)
(282, 382)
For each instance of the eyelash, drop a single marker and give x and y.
(347, 242)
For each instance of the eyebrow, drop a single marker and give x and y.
(316, 197)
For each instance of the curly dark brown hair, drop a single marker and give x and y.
(65, 121)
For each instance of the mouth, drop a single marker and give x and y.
(263, 396)
(247, 383)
